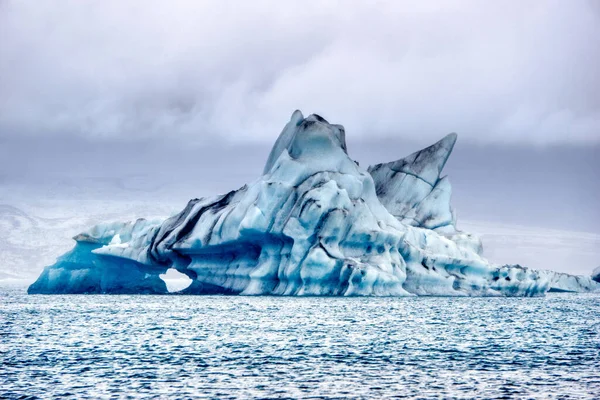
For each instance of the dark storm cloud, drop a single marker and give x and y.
(196, 71)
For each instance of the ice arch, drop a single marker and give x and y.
(175, 280)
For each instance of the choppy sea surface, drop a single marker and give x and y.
(96, 346)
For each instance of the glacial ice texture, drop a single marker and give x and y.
(596, 275)
(315, 223)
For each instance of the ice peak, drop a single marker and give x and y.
(310, 135)
(428, 163)
(296, 117)
(411, 188)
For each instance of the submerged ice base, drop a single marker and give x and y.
(315, 223)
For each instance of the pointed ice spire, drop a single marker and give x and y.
(411, 188)
(426, 164)
(298, 136)
(283, 141)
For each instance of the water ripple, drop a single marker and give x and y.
(267, 347)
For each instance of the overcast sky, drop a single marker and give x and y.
(108, 106)
(198, 71)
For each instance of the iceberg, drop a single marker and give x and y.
(314, 224)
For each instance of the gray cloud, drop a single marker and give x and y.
(197, 71)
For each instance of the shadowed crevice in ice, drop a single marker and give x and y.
(315, 223)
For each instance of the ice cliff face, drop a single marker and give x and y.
(596, 275)
(314, 223)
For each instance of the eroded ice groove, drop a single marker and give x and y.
(315, 223)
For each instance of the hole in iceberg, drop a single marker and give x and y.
(175, 280)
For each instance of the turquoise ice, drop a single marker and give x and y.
(315, 223)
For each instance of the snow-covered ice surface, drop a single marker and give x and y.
(315, 223)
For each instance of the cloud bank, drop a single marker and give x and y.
(196, 72)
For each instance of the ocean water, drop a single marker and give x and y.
(95, 346)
